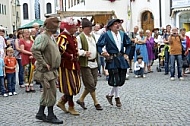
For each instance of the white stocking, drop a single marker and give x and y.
(112, 91)
(116, 92)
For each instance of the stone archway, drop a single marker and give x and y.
(147, 21)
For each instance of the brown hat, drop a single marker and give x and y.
(51, 23)
(86, 23)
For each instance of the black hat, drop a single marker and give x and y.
(86, 23)
(139, 57)
(112, 21)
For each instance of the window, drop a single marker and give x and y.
(48, 8)
(37, 11)
(25, 11)
(78, 1)
(5, 9)
(74, 2)
(0, 8)
(69, 4)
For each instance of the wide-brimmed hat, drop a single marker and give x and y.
(112, 21)
(69, 23)
(51, 23)
(86, 23)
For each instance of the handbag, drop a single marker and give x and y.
(138, 52)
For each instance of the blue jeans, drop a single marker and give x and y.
(178, 58)
(20, 72)
(166, 62)
(2, 86)
(139, 72)
(11, 81)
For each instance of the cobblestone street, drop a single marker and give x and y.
(150, 101)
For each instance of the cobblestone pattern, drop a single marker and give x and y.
(150, 101)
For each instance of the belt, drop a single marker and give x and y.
(92, 60)
(116, 54)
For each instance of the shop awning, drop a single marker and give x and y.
(179, 9)
(30, 25)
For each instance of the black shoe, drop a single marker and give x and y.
(82, 104)
(165, 73)
(53, 120)
(41, 117)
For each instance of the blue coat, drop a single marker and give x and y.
(107, 40)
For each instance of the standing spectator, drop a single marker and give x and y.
(132, 51)
(69, 71)
(2, 43)
(187, 52)
(166, 49)
(17, 55)
(184, 42)
(89, 64)
(2, 75)
(10, 66)
(48, 58)
(139, 67)
(150, 49)
(175, 54)
(117, 45)
(27, 58)
(141, 49)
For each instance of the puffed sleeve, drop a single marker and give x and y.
(62, 43)
(101, 43)
(127, 44)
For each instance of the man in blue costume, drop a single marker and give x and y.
(117, 47)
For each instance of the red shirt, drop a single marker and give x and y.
(27, 46)
(10, 62)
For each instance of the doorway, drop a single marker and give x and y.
(147, 20)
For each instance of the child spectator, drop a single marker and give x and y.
(10, 66)
(2, 73)
(139, 67)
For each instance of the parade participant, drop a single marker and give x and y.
(89, 63)
(47, 55)
(10, 70)
(118, 45)
(69, 71)
(27, 58)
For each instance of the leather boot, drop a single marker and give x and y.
(61, 105)
(109, 98)
(118, 103)
(72, 111)
(51, 118)
(40, 115)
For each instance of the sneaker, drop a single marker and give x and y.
(143, 76)
(136, 76)
(172, 78)
(10, 93)
(181, 78)
(5, 95)
(127, 77)
(14, 93)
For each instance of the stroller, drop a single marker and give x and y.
(161, 58)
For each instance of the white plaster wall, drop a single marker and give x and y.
(166, 19)
(6, 20)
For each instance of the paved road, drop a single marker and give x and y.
(150, 101)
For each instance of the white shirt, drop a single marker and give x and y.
(91, 48)
(2, 46)
(137, 66)
(117, 39)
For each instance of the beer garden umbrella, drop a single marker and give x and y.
(30, 25)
